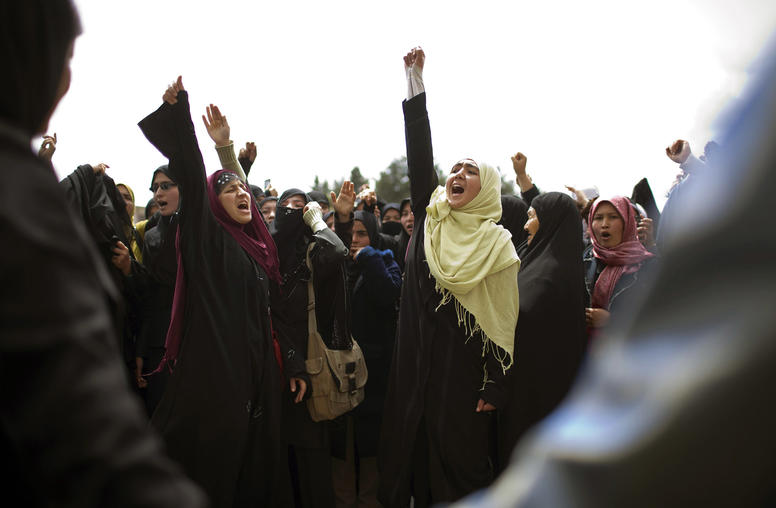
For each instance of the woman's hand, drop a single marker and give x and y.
(48, 147)
(121, 259)
(679, 152)
(99, 169)
(367, 195)
(579, 196)
(313, 216)
(646, 232)
(415, 57)
(171, 94)
(139, 379)
(596, 317)
(343, 204)
(247, 155)
(355, 251)
(217, 126)
(519, 162)
(299, 387)
(483, 406)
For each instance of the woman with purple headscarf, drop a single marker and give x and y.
(220, 414)
(614, 261)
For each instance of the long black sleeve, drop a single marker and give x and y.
(420, 155)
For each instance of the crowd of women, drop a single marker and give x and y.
(473, 325)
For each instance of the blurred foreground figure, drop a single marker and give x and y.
(676, 406)
(71, 433)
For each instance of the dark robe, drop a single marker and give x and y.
(161, 264)
(374, 283)
(514, 215)
(220, 414)
(309, 441)
(97, 200)
(433, 442)
(550, 336)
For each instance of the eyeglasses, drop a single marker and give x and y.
(164, 186)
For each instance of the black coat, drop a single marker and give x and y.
(550, 337)
(437, 374)
(157, 282)
(95, 198)
(627, 287)
(289, 317)
(72, 433)
(220, 415)
(161, 265)
(375, 279)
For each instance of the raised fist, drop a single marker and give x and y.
(679, 152)
(415, 57)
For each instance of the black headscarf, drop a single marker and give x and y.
(391, 206)
(150, 203)
(318, 196)
(289, 231)
(514, 214)
(370, 223)
(404, 238)
(266, 200)
(559, 230)
(390, 227)
(164, 169)
(258, 192)
(35, 37)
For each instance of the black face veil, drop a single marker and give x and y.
(35, 37)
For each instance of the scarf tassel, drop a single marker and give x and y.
(471, 327)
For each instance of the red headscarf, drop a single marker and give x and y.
(623, 258)
(253, 237)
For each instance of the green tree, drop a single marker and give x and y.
(356, 178)
(323, 187)
(507, 186)
(393, 184)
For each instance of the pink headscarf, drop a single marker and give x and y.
(253, 237)
(624, 258)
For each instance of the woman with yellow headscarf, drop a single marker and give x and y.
(456, 332)
(133, 232)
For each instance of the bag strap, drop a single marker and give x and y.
(312, 322)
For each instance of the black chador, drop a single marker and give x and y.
(220, 414)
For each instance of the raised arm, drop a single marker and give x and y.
(247, 156)
(417, 132)
(48, 147)
(681, 153)
(528, 190)
(171, 131)
(331, 248)
(218, 129)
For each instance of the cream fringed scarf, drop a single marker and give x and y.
(474, 263)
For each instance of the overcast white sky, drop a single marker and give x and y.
(591, 92)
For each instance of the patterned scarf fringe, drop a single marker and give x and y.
(471, 327)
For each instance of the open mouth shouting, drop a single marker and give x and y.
(463, 183)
